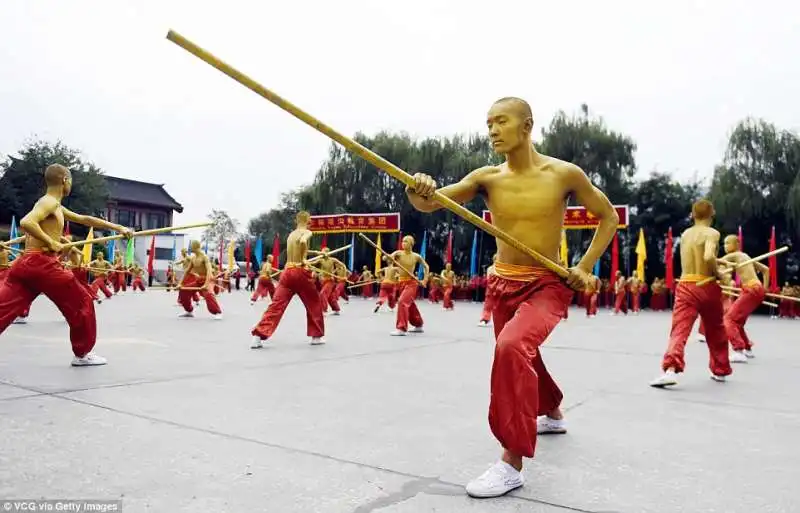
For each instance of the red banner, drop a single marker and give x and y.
(578, 218)
(366, 223)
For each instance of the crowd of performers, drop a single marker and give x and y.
(524, 298)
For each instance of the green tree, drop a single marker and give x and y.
(22, 181)
(757, 186)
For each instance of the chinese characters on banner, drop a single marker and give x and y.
(366, 223)
(578, 218)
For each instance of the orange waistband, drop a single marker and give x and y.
(293, 265)
(693, 278)
(753, 284)
(519, 272)
(404, 279)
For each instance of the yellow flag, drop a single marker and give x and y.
(641, 255)
(231, 263)
(564, 255)
(378, 255)
(87, 248)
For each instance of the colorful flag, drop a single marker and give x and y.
(614, 257)
(773, 264)
(422, 251)
(247, 255)
(231, 256)
(276, 251)
(259, 252)
(596, 270)
(14, 231)
(641, 255)
(324, 242)
(129, 253)
(174, 247)
(352, 261)
(110, 250)
(378, 255)
(473, 257)
(66, 229)
(152, 255)
(563, 253)
(399, 241)
(87, 248)
(669, 276)
(205, 249)
(741, 248)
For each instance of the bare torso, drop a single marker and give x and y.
(448, 277)
(407, 261)
(746, 273)
(198, 265)
(529, 206)
(328, 265)
(295, 251)
(100, 267)
(693, 244)
(52, 225)
(389, 275)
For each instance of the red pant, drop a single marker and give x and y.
(635, 302)
(489, 303)
(35, 273)
(293, 280)
(185, 296)
(407, 311)
(591, 303)
(691, 300)
(328, 296)
(137, 283)
(99, 283)
(387, 295)
(521, 387)
(448, 297)
(736, 316)
(263, 288)
(82, 275)
(620, 303)
(367, 290)
(340, 291)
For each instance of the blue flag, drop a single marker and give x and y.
(110, 250)
(259, 252)
(205, 250)
(596, 270)
(352, 251)
(421, 271)
(473, 259)
(174, 247)
(13, 235)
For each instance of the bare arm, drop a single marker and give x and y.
(43, 208)
(764, 270)
(597, 203)
(94, 222)
(460, 192)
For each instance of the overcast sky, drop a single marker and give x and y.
(100, 76)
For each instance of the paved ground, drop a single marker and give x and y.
(187, 418)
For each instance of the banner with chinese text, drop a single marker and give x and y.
(366, 223)
(578, 218)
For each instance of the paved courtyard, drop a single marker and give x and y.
(186, 418)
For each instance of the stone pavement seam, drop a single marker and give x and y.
(428, 481)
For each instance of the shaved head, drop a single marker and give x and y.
(303, 217)
(522, 108)
(55, 174)
(702, 210)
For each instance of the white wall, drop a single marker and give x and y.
(142, 246)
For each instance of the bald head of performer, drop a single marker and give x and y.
(408, 243)
(58, 179)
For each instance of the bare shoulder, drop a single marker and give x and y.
(483, 173)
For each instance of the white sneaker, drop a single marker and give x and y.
(701, 339)
(738, 357)
(336, 313)
(186, 315)
(483, 324)
(257, 343)
(666, 380)
(252, 303)
(88, 359)
(721, 379)
(317, 341)
(398, 333)
(216, 317)
(547, 426)
(749, 353)
(498, 480)
(20, 320)
(416, 329)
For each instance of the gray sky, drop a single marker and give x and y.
(101, 77)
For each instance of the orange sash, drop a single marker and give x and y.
(519, 272)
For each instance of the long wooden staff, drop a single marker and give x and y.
(742, 264)
(732, 294)
(142, 233)
(374, 159)
(327, 273)
(387, 255)
(316, 259)
(361, 284)
(769, 294)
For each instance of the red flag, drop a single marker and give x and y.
(324, 242)
(773, 264)
(670, 273)
(400, 241)
(247, 255)
(449, 256)
(66, 229)
(276, 251)
(614, 258)
(151, 255)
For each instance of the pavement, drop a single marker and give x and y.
(187, 418)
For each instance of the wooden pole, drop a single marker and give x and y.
(742, 264)
(374, 159)
(142, 233)
(387, 255)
